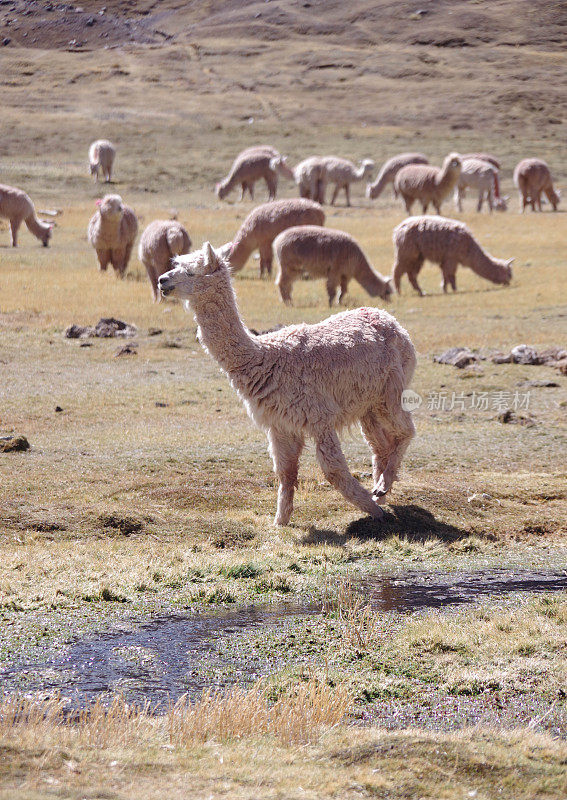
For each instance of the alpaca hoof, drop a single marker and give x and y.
(377, 513)
(280, 521)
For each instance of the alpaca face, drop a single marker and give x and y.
(503, 272)
(193, 274)
(110, 206)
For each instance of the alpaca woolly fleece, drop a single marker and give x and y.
(264, 223)
(308, 380)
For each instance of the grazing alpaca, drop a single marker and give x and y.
(250, 166)
(325, 253)
(101, 157)
(428, 184)
(159, 243)
(342, 173)
(112, 231)
(389, 171)
(17, 206)
(479, 174)
(448, 243)
(262, 225)
(308, 380)
(532, 177)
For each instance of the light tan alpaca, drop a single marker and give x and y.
(160, 242)
(101, 158)
(476, 173)
(448, 243)
(342, 173)
(325, 253)
(428, 184)
(16, 206)
(308, 175)
(308, 380)
(389, 171)
(250, 166)
(483, 157)
(262, 225)
(532, 177)
(112, 231)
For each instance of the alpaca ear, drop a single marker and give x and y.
(98, 202)
(510, 262)
(211, 258)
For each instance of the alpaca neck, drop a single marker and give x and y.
(479, 261)
(448, 179)
(368, 279)
(36, 226)
(221, 330)
(378, 186)
(240, 253)
(360, 173)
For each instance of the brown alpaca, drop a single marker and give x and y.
(17, 207)
(325, 253)
(262, 225)
(389, 170)
(532, 177)
(448, 243)
(250, 166)
(308, 380)
(428, 184)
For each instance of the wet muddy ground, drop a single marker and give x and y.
(158, 659)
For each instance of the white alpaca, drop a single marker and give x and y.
(342, 173)
(308, 380)
(482, 176)
(308, 176)
(17, 206)
(112, 231)
(101, 158)
(159, 243)
(428, 184)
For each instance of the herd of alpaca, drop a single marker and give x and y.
(310, 381)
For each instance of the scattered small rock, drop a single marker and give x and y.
(255, 332)
(6, 41)
(457, 357)
(126, 525)
(58, 409)
(510, 417)
(127, 350)
(526, 354)
(538, 384)
(13, 444)
(161, 405)
(105, 328)
(154, 331)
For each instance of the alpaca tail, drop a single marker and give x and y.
(178, 242)
(496, 185)
(41, 230)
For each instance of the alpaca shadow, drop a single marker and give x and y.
(410, 522)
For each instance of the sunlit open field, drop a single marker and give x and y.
(147, 490)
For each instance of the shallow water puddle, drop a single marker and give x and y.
(167, 656)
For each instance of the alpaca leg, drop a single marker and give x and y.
(321, 191)
(285, 449)
(458, 198)
(153, 275)
(334, 466)
(103, 259)
(347, 194)
(272, 184)
(379, 441)
(331, 290)
(409, 203)
(117, 259)
(449, 270)
(424, 207)
(284, 282)
(335, 193)
(480, 199)
(344, 288)
(266, 259)
(15, 223)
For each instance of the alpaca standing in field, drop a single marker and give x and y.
(325, 253)
(101, 158)
(448, 243)
(250, 166)
(159, 243)
(308, 380)
(389, 171)
(262, 225)
(428, 184)
(342, 173)
(112, 231)
(482, 157)
(16, 206)
(532, 177)
(482, 176)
